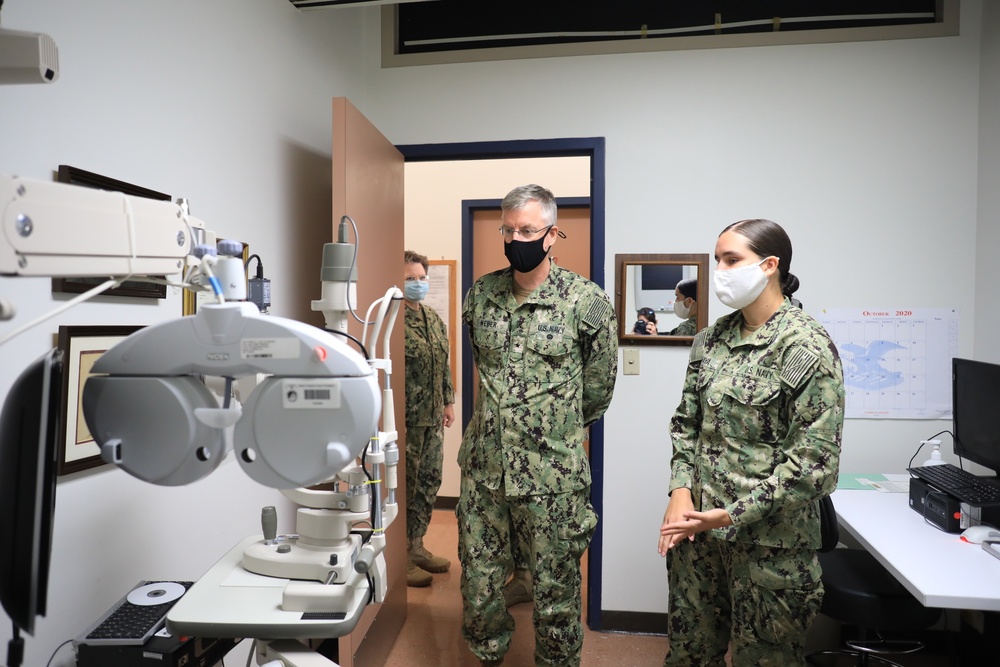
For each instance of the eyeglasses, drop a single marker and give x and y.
(415, 279)
(510, 232)
(645, 312)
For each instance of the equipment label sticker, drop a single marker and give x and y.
(269, 348)
(311, 394)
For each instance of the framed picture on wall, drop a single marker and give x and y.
(78, 285)
(441, 276)
(82, 346)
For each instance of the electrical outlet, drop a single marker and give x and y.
(631, 361)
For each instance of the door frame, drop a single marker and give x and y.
(594, 148)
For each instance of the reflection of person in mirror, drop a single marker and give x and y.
(686, 308)
(645, 325)
(756, 445)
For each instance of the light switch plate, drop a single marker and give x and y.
(630, 361)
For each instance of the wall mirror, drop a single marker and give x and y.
(648, 282)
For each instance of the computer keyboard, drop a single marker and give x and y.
(959, 483)
(128, 623)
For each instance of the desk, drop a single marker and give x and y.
(938, 568)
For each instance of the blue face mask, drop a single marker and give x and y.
(415, 290)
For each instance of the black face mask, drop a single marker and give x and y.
(524, 256)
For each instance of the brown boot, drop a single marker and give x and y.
(416, 577)
(424, 559)
(518, 589)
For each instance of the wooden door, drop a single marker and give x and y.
(368, 186)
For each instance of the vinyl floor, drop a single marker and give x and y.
(432, 633)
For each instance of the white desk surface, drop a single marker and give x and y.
(939, 568)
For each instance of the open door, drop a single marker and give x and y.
(368, 186)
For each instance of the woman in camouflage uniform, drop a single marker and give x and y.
(429, 408)
(686, 308)
(756, 444)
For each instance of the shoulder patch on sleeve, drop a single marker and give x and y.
(799, 363)
(698, 347)
(597, 312)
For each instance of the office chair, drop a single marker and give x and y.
(859, 591)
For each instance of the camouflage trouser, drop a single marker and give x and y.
(557, 529)
(424, 456)
(520, 556)
(762, 599)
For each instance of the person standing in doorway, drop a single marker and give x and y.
(430, 408)
(545, 342)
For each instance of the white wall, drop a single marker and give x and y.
(988, 229)
(227, 103)
(868, 153)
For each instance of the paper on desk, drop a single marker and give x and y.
(889, 483)
(891, 486)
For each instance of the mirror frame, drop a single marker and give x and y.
(622, 264)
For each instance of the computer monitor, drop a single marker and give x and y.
(661, 276)
(29, 430)
(655, 283)
(975, 388)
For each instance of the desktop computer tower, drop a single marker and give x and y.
(160, 650)
(947, 512)
(937, 507)
(975, 515)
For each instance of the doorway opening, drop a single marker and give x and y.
(593, 149)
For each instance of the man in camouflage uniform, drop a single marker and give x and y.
(545, 342)
(430, 408)
(756, 444)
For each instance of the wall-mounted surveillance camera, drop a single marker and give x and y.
(27, 57)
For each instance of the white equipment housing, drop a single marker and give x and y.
(27, 57)
(57, 229)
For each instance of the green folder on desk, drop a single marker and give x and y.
(856, 481)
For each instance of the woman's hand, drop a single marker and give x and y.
(686, 522)
(680, 504)
(651, 328)
(449, 415)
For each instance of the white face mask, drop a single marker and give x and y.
(739, 287)
(681, 311)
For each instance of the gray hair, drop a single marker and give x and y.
(522, 195)
(413, 257)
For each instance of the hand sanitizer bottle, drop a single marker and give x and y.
(935, 459)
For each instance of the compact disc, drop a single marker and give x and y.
(158, 592)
